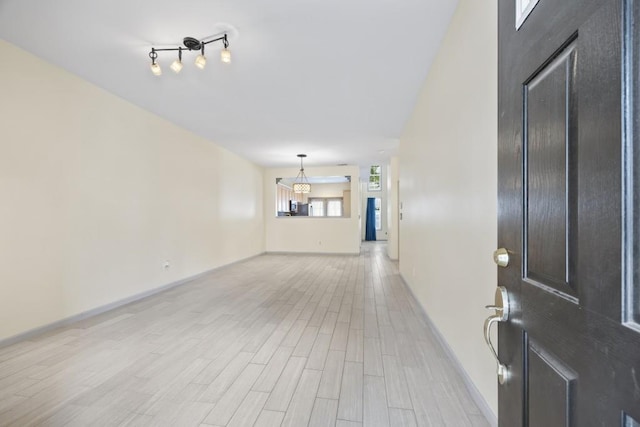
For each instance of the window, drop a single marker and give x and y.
(319, 206)
(374, 178)
(334, 207)
(316, 207)
(378, 213)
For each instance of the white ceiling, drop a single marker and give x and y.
(335, 79)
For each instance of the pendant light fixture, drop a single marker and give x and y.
(190, 44)
(301, 184)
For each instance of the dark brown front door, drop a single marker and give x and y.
(568, 213)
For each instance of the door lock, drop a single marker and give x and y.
(501, 257)
(501, 307)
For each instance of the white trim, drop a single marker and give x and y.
(111, 306)
(468, 382)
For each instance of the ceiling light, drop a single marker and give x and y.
(190, 44)
(225, 53)
(301, 183)
(176, 66)
(155, 68)
(201, 60)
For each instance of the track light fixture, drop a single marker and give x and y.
(225, 53)
(176, 66)
(190, 44)
(201, 60)
(155, 68)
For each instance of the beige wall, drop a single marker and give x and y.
(392, 209)
(308, 234)
(96, 194)
(448, 189)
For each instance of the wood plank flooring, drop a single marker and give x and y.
(277, 340)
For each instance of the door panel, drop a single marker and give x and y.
(551, 386)
(568, 210)
(549, 121)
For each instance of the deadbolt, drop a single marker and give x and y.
(501, 257)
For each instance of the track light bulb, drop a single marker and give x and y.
(155, 69)
(176, 66)
(201, 61)
(225, 55)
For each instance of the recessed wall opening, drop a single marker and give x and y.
(329, 197)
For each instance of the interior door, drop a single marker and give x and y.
(568, 213)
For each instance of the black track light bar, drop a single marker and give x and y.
(191, 43)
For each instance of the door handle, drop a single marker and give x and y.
(501, 307)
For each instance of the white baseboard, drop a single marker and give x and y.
(111, 306)
(468, 382)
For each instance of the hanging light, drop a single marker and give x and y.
(225, 53)
(301, 183)
(155, 67)
(201, 60)
(190, 44)
(176, 66)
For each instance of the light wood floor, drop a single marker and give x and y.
(289, 340)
